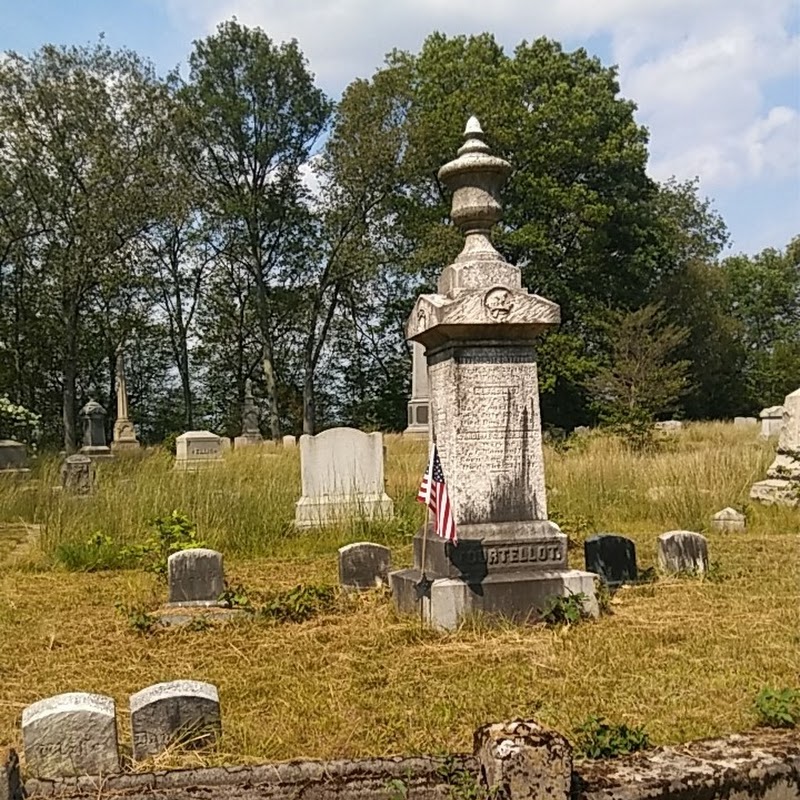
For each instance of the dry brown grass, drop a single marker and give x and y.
(683, 657)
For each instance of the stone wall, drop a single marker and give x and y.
(763, 765)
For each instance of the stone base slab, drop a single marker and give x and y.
(313, 512)
(130, 445)
(776, 491)
(417, 431)
(196, 464)
(176, 615)
(15, 474)
(517, 596)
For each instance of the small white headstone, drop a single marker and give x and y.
(195, 576)
(682, 551)
(669, 426)
(342, 476)
(197, 449)
(182, 712)
(70, 735)
(289, 441)
(743, 422)
(729, 519)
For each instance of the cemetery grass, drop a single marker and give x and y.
(683, 657)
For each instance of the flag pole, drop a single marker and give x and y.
(423, 577)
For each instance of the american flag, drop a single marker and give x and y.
(433, 492)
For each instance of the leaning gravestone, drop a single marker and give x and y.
(196, 450)
(480, 332)
(195, 576)
(94, 431)
(682, 551)
(783, 476)
(611, 557)
(364, 566)
(342, 476)
(771, 421)
(729, 519)
(77, 474)
(178, 712)
(70, 735)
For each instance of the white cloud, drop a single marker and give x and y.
(704, 73)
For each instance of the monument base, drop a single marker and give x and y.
(318, 512)
(189, 465)
(252, 440)
(776, 491)
(15, 474)
(97, 453)
(125, 445)
(176, 615)
(521, 597)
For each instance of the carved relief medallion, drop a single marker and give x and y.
(498, 303)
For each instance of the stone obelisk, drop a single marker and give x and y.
(479, 334)
(419, 405)
(124, 433)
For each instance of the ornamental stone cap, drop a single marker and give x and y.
(182, 688)
(93, 409)
(68, 702)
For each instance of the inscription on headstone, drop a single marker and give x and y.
(363, 565)
(70, 735)
(178, 712)
(197, 449)
(682, 551)
(195, 576)
(611, 557)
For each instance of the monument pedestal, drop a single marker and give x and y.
(124, 438)
(97, 453)
(418, 411)
(314, 512)
(504, 569)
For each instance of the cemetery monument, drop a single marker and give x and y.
(124, 434)
(782, 484)
(251, 433)
(479, 332)
(196, 450)
(341, 472)
(94, 431)
(419, 405)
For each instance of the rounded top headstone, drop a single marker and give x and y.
(162, 691)
(67, 702)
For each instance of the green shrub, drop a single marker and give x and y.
(597, 739)
(564, 610)
(172, 534)
(300, 603)
(235, 596)
(778, 708)
(139, 619)
(99, 552)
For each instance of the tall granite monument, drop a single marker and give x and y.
(479, 335)
(419, 405)
(124, 433)
(251, 433)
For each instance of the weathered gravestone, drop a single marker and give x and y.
(744, 422)
(364, 566)
(729, 519)
(419, 405)
(682, 551)
(669, 426)
(289, 441)
(179, 712)
(341, 472)
(771, 421)
(479, 332)
(94, 431)
(77, 474)
(195, 576)
(611, 557)
(13, 458)
(69, 735)
(196, 450)
(783, 476)
(251, 433)
(124, 433)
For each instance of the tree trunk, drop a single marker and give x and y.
(309, 409)
(186, 385)
(68, 397)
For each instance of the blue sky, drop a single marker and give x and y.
(717, 82)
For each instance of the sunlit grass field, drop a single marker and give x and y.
(683, 657)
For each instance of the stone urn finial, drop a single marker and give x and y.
(476, 178)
